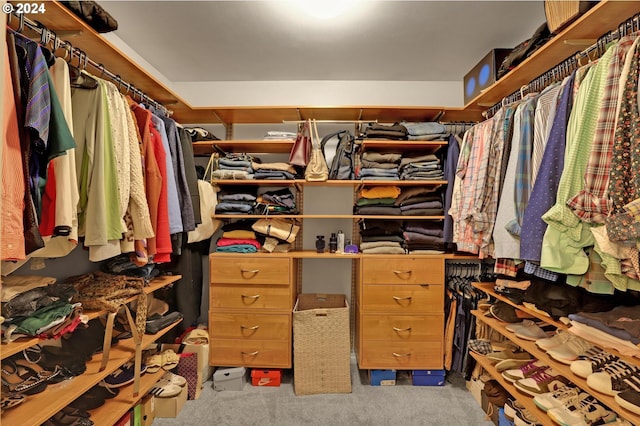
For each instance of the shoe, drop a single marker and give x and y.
(570, 351)
(584, 411)
(504, 312)
(594, 360)
(524, 371)
(165, 389)
(511, 408)
(511, 364)
(174, 379)
(517, 413)
(559, 398)
(531, 332)
(629, 400)
(499, 356)
(551, 342)
(614, 378)
(516, 326)
(526, 418)
(122, 376)
(542, 381)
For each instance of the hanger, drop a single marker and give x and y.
(80, 79)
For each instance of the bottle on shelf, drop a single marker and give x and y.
(333, 243)
(340, 246)
(320, 244)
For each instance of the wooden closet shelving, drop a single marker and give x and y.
(40, 407)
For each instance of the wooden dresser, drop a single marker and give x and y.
(251, 301)
(400, 312)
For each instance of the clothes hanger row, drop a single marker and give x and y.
(566, 67)
(79, 77)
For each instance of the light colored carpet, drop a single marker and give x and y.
(368, 405)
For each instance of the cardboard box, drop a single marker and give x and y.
(428, 377)
(382, 377)
(266, 377)
(170, 407)
(229, 379)
(148, 411)
(484, 74)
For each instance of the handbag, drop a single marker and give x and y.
(317, 170)
(299, 155)
(279, 228)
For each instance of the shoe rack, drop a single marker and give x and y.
(37, 409)
(541, 355)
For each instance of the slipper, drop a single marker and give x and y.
(174, 379)
(170, 359)
(197, 336)
(11, 400)
(164, 389)
(153, 363)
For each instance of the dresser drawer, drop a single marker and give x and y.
(230, 296)
(255, 353)
(401, 355)
(402, 299)
(248, 270)
(411, 270)
(250, 327)
(402, 328)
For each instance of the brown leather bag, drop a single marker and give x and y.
(317, 170)
(299, 155)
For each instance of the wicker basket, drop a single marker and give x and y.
(321, 346)
(560, 13)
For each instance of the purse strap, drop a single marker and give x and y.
(211, 166)
(315, 138)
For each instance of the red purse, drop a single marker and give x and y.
(301, 150)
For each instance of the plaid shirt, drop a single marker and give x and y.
(565, 237)
(592, 204)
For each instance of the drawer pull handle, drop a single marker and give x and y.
(397, 298)
(255, 327)
(425, 285)
(254, 297)
(250, 353)
(397, 355)
(401, 329)
(249, 271)
(399, 272)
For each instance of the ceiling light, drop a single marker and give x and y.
(324, 9)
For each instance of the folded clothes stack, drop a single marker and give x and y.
(238, 237)
(425, 131)
(273, 171)
(239, 200)
(420, 167)
(422, 237)
(378, 200)
(381, 236)
(379, 166)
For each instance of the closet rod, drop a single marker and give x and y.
(46, 35)
(331, 121)
(570, 64)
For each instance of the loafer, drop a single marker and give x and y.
(504, 312)
(531, 332)
(499, 356)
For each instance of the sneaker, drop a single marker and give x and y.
(595, 359)
(551, 342)
(524, 371)
(496, 357)
(558, 398)
(629, 400)
(511, 364)
(526, 418)
(570, 351)
(531, 332)
(504, 312)
(584, 411)
(614, 378)
(511, 408)
(542, 381)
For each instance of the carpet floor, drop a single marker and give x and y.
(368, 405)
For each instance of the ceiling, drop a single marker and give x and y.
(243, 41)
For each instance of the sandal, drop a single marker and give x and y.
(21, 379)
(197, 336)
(153, 363)
(11, 400)
(170, 360)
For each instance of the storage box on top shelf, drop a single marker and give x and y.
(428, 377)
(382, 377)
(321, 344)
(232, 379)
(265, 377)
(170, 407)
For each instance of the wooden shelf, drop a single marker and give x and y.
(12, 348)
(603, 17)
(489, 289)
(354, 182)
(40, 407)
(117, 407)
(563, 369)
(526, 401)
